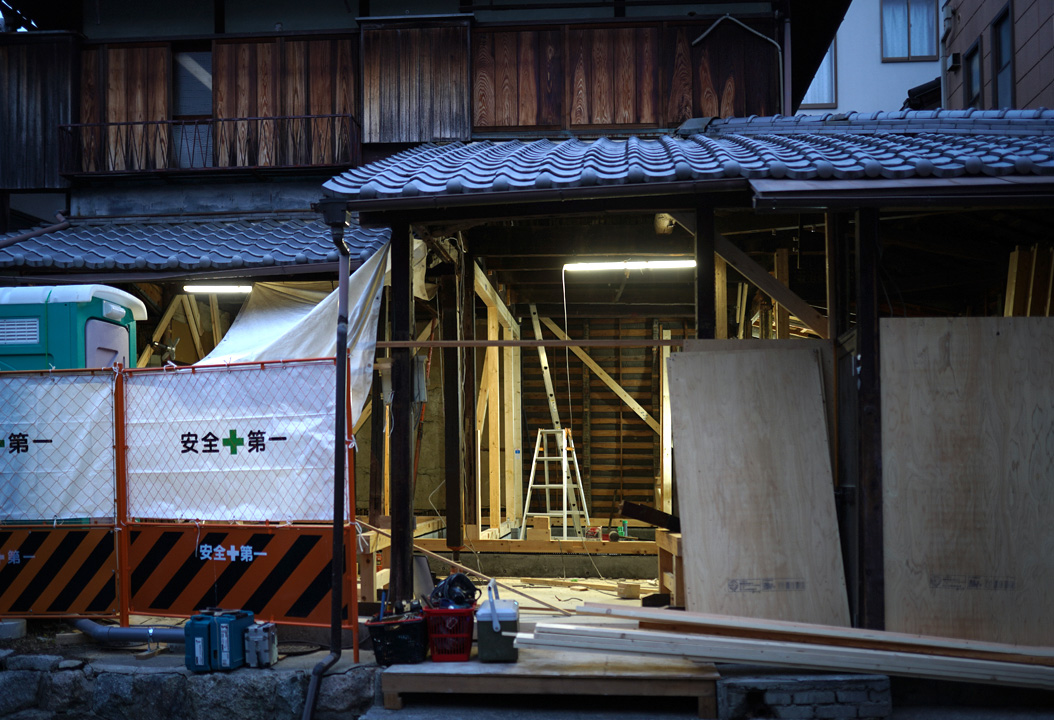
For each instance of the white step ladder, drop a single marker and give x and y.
(570, 489)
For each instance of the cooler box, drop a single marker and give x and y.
(497, 622)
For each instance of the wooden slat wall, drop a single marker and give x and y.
(37, 79)
(632, 76)
(967, 428)
(275, 78)
(126, 85)
(415, 83)
(617, 451)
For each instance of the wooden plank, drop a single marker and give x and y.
(267, 103)
(966, 425)
(506, 91)
(579, 44)
(510, 409)
(600, 77)
(781, 261)
(607, 379)
(550, 77)
(665, 499)
(796, 655)
(761, 537)
(560, 582)
(775, 630)
(1018, 274)
(679, 80)
(214, 318)
(1039, 282)
(483, 115)
(625, 84)
(527, 80)
(159, 331)
(492, 299)
(571, 546)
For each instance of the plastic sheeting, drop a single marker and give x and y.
(280, 322)
(56, 447)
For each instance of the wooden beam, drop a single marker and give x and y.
(492, 299)
(511, 409)
(607, 379)
(402, 440)
(760, 277)
(159, 331)
(720, 298)
(189, 304)
(705, 275)
(782, 265)
(1018, 275)
(452, 373)
(214, 317)
(666, 466)
(1039, 282)
(494, 419)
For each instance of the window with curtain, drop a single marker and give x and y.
(1003, 60)
(972, 81)
(823, 92)
(909, 30)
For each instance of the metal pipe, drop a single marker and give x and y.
(336, 217)
(62, 224)
(108, 634)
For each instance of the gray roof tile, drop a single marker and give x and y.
(890, 145)
(188, 246)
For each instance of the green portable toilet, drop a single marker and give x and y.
(67, 326)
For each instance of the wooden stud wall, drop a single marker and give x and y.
(616, 448)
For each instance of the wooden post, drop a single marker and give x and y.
(510, 409)
(666, 471)
(468, 332)
(1039, 283)
(837, 275)
(402, 314)
(705, 280)
(449, 327)
(872, 575)
(494, 420)
(214, 316)
(720, 298)
(782, 264)
(1017, 281)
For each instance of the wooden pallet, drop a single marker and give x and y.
(543, 672)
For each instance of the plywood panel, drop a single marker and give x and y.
(968, 457)
(754, 482)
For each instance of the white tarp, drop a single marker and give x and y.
(240, 444)
(56, 447)
(285, 323)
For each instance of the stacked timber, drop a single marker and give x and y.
(716, 638)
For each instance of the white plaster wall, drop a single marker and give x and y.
(864, 82)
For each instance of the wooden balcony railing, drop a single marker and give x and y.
(212, 144)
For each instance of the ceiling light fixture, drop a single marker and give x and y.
(219, 289)
(630, 265)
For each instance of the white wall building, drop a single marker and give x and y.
(883, 48)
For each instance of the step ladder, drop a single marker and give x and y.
(570, 488)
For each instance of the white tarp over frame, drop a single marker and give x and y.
(283, 323)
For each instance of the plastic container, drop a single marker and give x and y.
(498, 621)
(228, 638)
(399, 639)
(450, 633)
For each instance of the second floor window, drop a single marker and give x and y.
(1003, 61)
(972, 81)
(823, 91)
(909, 29)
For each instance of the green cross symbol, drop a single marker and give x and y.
(233, 442)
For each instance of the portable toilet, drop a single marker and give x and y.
(67, 326)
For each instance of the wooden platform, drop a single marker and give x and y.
(544, 672)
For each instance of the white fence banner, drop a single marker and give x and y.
(56, 447)
(238, 444)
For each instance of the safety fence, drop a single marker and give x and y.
(161, 491)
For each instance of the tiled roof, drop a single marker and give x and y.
(188, 246)
(911, 144)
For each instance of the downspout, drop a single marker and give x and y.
(110, 634)
(62, 224)
(334, 213)
(779, 50)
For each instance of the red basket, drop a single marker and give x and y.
(450, 633)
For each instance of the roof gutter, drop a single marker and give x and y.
(62, 224)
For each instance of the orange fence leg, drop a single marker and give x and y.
(124, 589)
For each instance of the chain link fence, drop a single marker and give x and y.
(227, 444)
(56, 446)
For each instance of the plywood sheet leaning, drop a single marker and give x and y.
(968, 457)
(754, 482)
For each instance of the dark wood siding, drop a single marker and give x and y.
(416, 83)
(619, 76)
(288, 80)
(37, 80)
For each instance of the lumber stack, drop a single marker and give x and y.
(714, 638)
